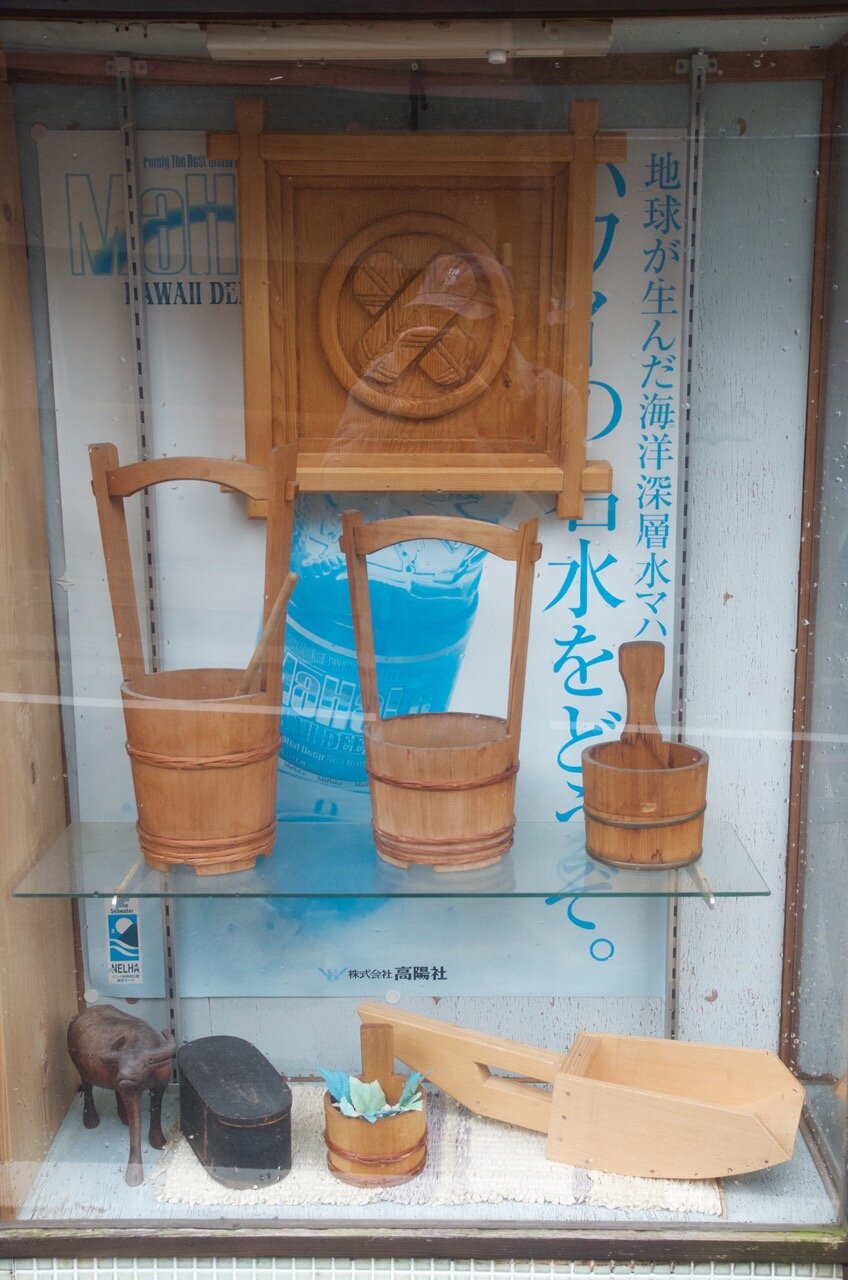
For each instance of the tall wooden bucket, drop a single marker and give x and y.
(203, 743)
(204, 766)
(442, 784)
(644, 798)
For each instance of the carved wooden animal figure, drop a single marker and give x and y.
(116, 1051)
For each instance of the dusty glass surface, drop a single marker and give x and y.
(311, 859)
(822, 1049)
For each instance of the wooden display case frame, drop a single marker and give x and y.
(285, 373)
(37, 980)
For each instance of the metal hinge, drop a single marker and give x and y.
(127, 67)
(698, 61)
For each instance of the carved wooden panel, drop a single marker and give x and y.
(416, 308)
(415, 315)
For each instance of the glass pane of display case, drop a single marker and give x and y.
(103, 860)
(424, 567)
(820, 1048)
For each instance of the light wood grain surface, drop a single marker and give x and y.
(396, 282)
(37, 980)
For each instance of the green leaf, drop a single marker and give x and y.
(366, 1098)
(367, 1101)
(337, 1082)
(410, 1089)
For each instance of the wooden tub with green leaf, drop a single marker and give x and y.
(375, 1127)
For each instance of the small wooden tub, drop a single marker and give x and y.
(650, 816)
(644, 798)
(204, 765)
(442, 789)
(386, 1154)
(442, 783)
(390, 1151)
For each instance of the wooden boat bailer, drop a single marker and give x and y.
(622, 1104)
(442, 783)
(203, 742)
(644, 798)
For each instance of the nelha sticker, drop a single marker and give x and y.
(124, 941)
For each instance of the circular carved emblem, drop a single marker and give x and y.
(415, 315)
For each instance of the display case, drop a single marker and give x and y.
(424, 559)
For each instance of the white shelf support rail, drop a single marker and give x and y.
(125, 68)
(698, 66)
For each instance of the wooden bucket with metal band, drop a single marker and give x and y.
(391, 1150)
(644, 798)
(203, 743)
(442, 783)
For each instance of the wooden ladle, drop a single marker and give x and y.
(275, 618)
(641, 663)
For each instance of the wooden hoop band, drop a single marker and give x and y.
(229, 844)
(446, 863)
(473, 785)
(636, 825)
(368, 1179)
(446, 850)
(483, 842)
(233, 761)
(403, 1155)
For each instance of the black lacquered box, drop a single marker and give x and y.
(235, 1111)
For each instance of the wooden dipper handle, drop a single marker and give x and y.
(641, 663)
(378, 1053)
(275, 617)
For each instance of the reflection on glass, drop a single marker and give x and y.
(822, 1001)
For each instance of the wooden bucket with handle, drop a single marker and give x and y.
(203, 743)
(644, 798)
(442, 783)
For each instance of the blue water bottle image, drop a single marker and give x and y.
(423, 598)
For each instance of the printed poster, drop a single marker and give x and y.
(440, 609)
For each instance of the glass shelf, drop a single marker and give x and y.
(332, 859)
